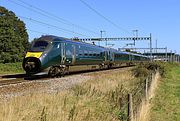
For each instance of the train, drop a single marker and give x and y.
(56, 55)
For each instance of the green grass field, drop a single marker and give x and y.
(11, 68)
(166, 105)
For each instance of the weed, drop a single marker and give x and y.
(72, 113)
(43, 114)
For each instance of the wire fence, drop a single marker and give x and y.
(130, 103)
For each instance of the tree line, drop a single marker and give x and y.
(13, 37)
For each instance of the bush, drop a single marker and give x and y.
(9, 58)
(140, 72)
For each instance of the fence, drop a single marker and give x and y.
(132, 107)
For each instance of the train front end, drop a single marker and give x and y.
(34, 58)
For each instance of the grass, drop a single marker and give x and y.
(167, 100)
(94, 100)
(11, 68)
(102, 98)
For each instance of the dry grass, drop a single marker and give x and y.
(102, 98)
(94, 100)
(146, 104)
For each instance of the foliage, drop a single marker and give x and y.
(143, 70)
(11, 68)
(13, 37)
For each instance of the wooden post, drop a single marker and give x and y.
(146, 89)
(130, 108)
(153, 76)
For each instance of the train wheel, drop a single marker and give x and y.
(109, 66)
(53, 71)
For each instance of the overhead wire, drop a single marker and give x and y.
(102, 16)
(50, 25)
(50, 15)
(37, 31)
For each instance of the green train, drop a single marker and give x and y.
(56, 55)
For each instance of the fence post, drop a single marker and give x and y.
(130, 108)
(146, 88)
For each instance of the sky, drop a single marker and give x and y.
(116, 18)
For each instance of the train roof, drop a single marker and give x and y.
(52, 38)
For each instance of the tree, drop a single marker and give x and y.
(13, 37)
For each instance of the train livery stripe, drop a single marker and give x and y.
(33, 54)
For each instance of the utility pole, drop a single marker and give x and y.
(151, 47)
(136, 34)
(156, 45)
(171, 56)
(101, 37)
(166, 55)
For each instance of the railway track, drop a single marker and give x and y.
(6, 80)
(9, 81)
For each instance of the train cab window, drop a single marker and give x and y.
(39, 46)
(56, 45)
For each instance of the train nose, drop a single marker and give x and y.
(31, 65)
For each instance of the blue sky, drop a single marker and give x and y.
(159, 17)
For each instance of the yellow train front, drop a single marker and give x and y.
(34, 60)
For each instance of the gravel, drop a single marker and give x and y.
(38, 86)
(47, 85)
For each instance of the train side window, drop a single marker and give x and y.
(80, 52)
(85, 53)
(101, 54)
(90, 53)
